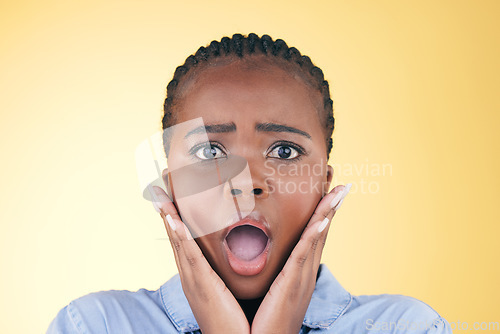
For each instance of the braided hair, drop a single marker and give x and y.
(239, 46)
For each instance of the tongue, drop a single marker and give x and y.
(246, 242)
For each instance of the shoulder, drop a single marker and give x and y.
(388, 313)
(334, 310)
(394, 305)
(112, 311)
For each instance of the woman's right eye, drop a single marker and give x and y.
(207, 152)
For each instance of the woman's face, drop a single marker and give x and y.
(269, 120)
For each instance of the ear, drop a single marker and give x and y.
(329, 179)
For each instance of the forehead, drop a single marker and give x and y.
(250, 88)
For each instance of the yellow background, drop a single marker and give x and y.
(415, 85)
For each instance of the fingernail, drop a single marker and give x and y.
(323, 224)
(171, 222)
(160, 195)
(188, 233)
(344, 194)
(336, 199)
(156, 206)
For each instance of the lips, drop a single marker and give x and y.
(247, 245)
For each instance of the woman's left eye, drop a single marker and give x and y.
(208, 152)
(284, 152)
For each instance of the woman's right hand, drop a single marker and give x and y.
(214, 306)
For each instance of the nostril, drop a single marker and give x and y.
(257, 191)
(235, 192)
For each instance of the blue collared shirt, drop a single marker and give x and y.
(332, 310)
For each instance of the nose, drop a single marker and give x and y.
(249, 183)
(255, 191)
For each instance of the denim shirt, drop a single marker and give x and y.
(166, 310)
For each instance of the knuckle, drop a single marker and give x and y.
(177, 245)
(301, 260)
(193, 261)
(312, 240)
(314, 243)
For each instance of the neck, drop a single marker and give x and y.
(250, 307)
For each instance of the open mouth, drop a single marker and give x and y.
(247, 247)
(246, 242)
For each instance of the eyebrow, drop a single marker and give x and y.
(273, 127)
(214, 128)
(260, 127)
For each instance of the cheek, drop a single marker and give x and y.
(197, 211)
(210, 247)
(298, 207)
(298, 199)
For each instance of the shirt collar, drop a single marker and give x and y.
(176, 305)
(328, 302)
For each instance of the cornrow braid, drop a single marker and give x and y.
(240, 46)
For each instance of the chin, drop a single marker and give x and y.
(248, 287)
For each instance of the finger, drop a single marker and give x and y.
(191, 258)
(301, 267)
(187, 253)
(314, 236)
(297, 275)
(328, 204)
(311, 234)
(323, 228)
(167, 207)
(320, 219)
(320, 245)
(165, 211)
(163, 203)
(303, 251)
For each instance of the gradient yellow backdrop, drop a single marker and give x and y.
(415, 86)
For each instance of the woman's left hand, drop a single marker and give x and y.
(285, 304)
